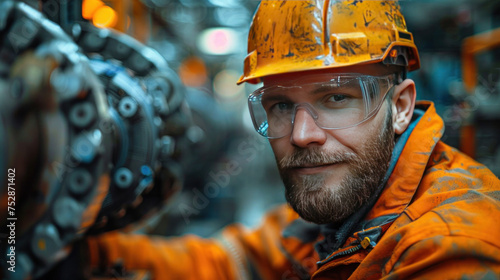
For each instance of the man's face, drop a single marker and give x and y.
(329, 174)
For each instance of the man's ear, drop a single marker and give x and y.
(403, 103)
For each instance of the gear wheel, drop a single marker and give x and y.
(146, 100)
(55, 121)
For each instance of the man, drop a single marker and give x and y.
(375, 193)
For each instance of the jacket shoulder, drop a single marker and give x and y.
(450, 177)
(452, 217)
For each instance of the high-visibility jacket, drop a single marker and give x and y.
(437, 216)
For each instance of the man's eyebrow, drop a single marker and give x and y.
(275, 97)
(325, 88)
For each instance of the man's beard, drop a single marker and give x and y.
(319, 203)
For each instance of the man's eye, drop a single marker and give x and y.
(282, 107)
(337, 98)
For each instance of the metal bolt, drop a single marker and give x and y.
(67, 84)
(138, 63)
(127, 107)
(161, 105)
(67, 213)
(94, 42)
(46, 242)
(157, 121)
(80, 181)
(146, 171)
(159, 86)
(81, 115)
(119, 49)
(86, 146)
(195, 134)
(123, 178)
(76, 31)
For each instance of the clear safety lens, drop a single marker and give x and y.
(339, 101)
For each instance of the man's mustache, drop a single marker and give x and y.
(313, 157)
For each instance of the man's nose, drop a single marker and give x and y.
(305, 131)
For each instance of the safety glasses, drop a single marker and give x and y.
(339, 101)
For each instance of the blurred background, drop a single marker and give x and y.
(230, 173)
(205, 42)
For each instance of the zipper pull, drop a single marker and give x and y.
(367, 242)
(369, 237)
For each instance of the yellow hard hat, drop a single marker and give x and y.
(291, 35)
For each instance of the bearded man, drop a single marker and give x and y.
(374, 193)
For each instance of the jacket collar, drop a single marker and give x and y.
(406, 174)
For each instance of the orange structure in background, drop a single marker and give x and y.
(472, 46)
(193, 72)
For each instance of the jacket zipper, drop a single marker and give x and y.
(364, 244)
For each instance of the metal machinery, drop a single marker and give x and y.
(91, 127)
(150, 116)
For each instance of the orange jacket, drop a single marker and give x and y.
(438, 217)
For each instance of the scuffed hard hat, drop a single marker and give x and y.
(291, 36)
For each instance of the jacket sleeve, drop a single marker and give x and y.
(188, 257)
(235, 253)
